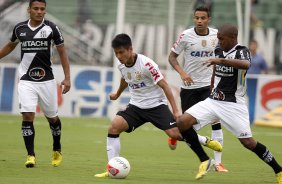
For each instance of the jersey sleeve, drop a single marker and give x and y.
(57, 35)
(14, 37)
(180, 44)
(152, 71)
(243, 54)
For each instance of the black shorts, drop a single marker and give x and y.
(160, 116)
(190, 97)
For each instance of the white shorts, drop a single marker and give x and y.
(233, 116)
(43, 93)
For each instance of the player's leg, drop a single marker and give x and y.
(27, 103)
(48, 101)
(185, 123)
(198, 116)
(235, 117)
(125, 121)
(217, 135)
(264, 154)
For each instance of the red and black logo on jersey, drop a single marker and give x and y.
(37, 73)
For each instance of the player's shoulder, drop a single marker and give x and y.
(241, 47)
(20, 24)
(213, 30)
(189, 31)
(49, 23)
(142, 59)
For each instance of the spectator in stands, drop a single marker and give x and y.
(255, 22)
(258, 64)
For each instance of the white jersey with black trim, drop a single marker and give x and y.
(142, 79)
(197, 49)
(36, 49)
(229, 82)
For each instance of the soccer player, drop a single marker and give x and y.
(227, 99)
(36, 79)
(148, 103)
(198, 44)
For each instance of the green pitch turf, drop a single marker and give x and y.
(152, 162)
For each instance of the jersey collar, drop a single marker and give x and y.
(34, 28)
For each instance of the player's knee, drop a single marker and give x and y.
(185, 121)
(248, 143)
(174, 133)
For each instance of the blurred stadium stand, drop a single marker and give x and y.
(75, 17)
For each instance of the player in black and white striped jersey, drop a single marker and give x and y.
(36, 80)
(227, 102)
(198, 44)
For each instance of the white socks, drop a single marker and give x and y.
(217, 135)
(113, 147)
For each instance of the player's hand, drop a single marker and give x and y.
(113, 96)
(187, 80)
(66, 85)
(212, 61)
(177, 114)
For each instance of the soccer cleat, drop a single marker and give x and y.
(57, 158)
(172, 143)
(30, 161)
(102, 175)
(204, 168)
(213, 144)
(220, 168)
(279, 177)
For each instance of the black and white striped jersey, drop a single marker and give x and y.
(36, 49)
(230, 83)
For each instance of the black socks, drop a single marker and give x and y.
(28, 134)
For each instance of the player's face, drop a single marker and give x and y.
(253, 46)
(225, 42)
(37, 11)
(201, 21)
(124, 55)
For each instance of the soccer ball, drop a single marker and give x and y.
(118, 168)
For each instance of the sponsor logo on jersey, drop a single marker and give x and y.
(37, 73)
(177, 41)
(35, 43)
(217, 95)
(153, 71)
(23, 34)
(224, 69)
(202, 53)
(137, 86)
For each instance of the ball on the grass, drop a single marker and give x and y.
(118, 168)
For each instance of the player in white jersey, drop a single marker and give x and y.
(36, 80)
(198, 44)
(148, 103)
(227, 99)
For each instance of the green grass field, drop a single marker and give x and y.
(152, 162)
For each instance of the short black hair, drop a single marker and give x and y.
(41, 1)
(203, 8)
(121, 40)
(228, 29)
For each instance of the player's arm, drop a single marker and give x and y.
(235, 63)
(172, 58)
(122, 86)
(168, 93)
(212, 78)
(66, 67)
(7, 49)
